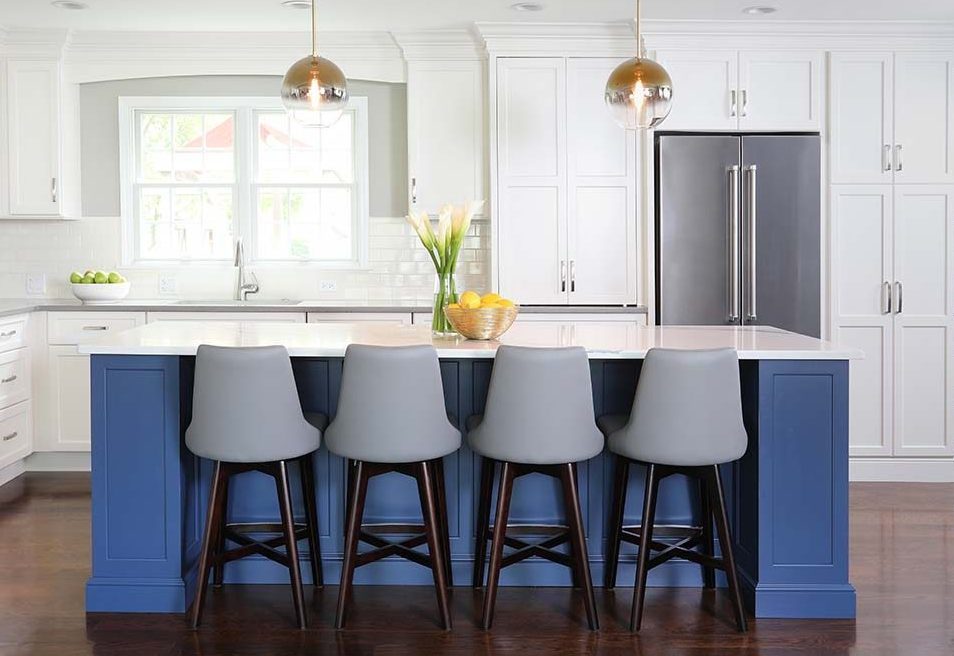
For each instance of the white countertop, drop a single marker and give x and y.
(602, 340)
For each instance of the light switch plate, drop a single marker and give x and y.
(36, 284)
(327, 285)
(167, 284)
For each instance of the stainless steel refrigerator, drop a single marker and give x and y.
(738, 233)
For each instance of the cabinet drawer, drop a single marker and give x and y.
(16, 433)
(240, 316)
(12, 333)
(82, 327)
(400, 318)
(14, 377)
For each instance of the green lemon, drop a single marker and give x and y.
(76, 277)
(114, 277)
(100, 278)
(88, 279)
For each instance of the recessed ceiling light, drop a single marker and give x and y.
(526, 6)
(69, 4)
(297, 4)
(759, 10)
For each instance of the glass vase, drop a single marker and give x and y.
(445, 292)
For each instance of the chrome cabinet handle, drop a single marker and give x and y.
(745, 102)
(733, 103)
(413, 191)
(7, 438)
(886, 299)
(898, 164)
(562, 275)
(900, 289)
(53, 189)
(8, 334)
(751, 313)
(9, 379)
(572, 275)
(95, 327)
(733, 245)
(886, 158)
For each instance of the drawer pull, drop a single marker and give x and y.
(8, 334)
(95, 327)
(7, 438)
(9, 379)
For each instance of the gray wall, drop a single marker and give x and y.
(99, 132)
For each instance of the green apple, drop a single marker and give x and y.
(76, 277)
(88, 279)
(89, 272)
(100, 278)
(114, 278)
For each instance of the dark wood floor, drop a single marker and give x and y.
(902, 549)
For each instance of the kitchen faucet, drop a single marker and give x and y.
(247, 282)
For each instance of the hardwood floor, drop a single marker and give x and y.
(902, 549)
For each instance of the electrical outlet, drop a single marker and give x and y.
(327, 285)
(36, 284)
(167, 284)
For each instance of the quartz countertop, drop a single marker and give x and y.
(602, 340)
(21, 306)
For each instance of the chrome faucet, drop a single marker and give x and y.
(247, 282)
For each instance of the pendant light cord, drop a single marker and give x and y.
(639, 35)
(314, 28)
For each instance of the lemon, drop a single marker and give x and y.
(454, 306)
(489, 298)
(470, 300)
(493, 304)
(505, 302)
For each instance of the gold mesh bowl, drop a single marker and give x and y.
(481, 323)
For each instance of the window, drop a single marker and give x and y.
(199, 173)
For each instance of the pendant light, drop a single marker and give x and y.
(314, 90)
(639, 91)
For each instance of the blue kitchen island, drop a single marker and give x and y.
(787, 498)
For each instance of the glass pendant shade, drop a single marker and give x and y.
(639, 94)
(315, 91)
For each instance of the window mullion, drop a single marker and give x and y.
(243, 176)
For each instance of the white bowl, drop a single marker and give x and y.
(94, 294)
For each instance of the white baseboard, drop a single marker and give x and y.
(907, 470)
(58, 461)
(11, 471)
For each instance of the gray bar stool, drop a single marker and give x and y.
(538, 419)
(246, 416)
(391, 418)
(686, 419)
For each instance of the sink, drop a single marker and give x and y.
(234, 303)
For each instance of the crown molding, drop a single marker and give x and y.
(440, 45)
(33, 43)
(528, 39)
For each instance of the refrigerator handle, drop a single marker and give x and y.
(751, 310)
(733, 244)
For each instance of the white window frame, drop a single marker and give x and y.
(245, 110)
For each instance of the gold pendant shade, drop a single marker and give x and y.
(639, 94)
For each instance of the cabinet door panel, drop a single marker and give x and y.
(531, 117)
(861, 117)
(33, 163)
(702, 86)
(780, 90)
(924, 117)
(869, 390)
(446, 155)
(68, 394)
(531, 245)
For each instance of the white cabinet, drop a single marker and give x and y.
(893, 250)
(271, 317)
(892, 118)
(16, 433)
(394, 318)
(34, 183)
(16, 416)
(566, 185)
(747, 90)
(446, 133)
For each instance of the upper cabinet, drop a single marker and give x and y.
(446, 133)
(891, 117)
(33, 165)
(744, 90)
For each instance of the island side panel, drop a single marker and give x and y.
(137, 486)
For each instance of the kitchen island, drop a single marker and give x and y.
(787, 497)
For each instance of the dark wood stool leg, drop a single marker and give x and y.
(708, 545)
(291, 543)
(359, 488)
(645, 538)
(441, 491)
(219, 573)
(581, 562)
(716, 494)
(504, 492)
(487, 467)
(615, 525)
(432, 526)
(213, 522)
(306, 463)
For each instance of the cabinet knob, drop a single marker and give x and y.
(745, 102)
(53, 189)
(413, 191)
(8, 334)
(9, 379)
(7, 438)
(733, 103)
(898, 164)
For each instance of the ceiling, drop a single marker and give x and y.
(399, 15)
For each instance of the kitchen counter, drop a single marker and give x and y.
(22, 306)
(788, 496)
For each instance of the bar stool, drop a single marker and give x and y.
(686, 419)
(246, 416)
(538, 419)
(391, 418)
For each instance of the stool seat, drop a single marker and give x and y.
(317, 419)
(609, 424)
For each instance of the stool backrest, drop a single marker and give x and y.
(689, 404)
(391, 406)
(540, 406)
(245, 406)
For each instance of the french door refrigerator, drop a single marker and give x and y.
(738, 233)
